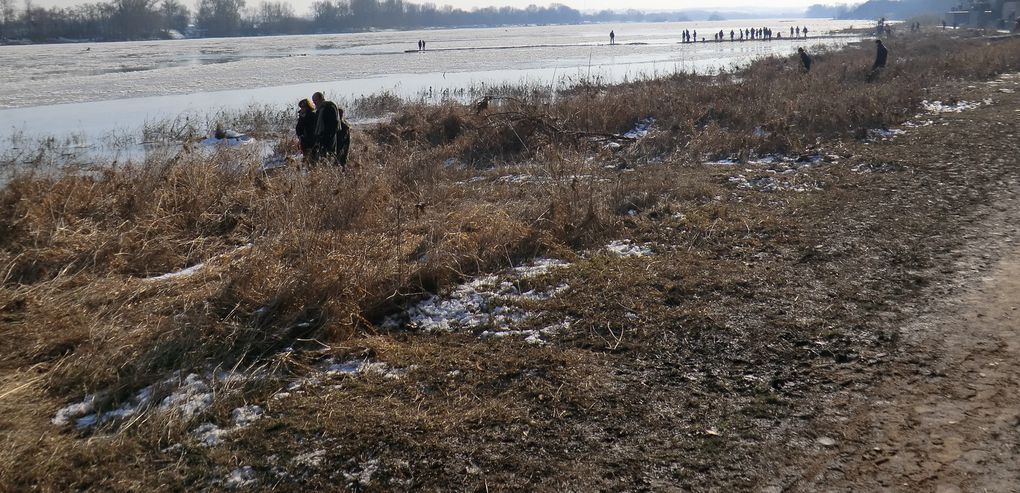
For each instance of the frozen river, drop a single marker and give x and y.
(92, 90)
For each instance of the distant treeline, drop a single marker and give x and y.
(118, 20)
(876, 9)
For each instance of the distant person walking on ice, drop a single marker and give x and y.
(805, 59)
(612, 38)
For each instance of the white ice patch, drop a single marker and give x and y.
(531, 336)
(484, 301)
(65, 415)
(918, 123)
(641, 129)
(363, 477)
(230, 139)
(770, 184)
(243, 477)
(957, 107)
(311, 459)
(625, 248)
(363, 367)
(194, 269)
(884, 133)
(723, 162)
(539, 267)
(210, 435)
(190, 397)
(521, 179)
(244, 416)
(777, 163)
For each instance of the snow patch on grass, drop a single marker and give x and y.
(191, 396)
(625, 248)
(957, 107)
(194, 269)
(210, 435)
(484, 301)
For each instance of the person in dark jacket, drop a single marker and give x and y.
(327, 123)
(881, 56)
(343, 141)
(305, 128)
(805, 59)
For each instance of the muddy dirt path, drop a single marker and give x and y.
(947, 420)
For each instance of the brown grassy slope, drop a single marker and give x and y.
(337, 250)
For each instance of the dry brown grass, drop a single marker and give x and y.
(332, 252)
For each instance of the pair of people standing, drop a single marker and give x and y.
(421, 45)
(881, 58)
(324, 135)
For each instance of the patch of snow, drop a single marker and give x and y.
(363, 367)
(189, 271)
(73, 411)
(625, 248)
(876, 168)
(539, 267)
(193, 396)
(520, 179)
(723, 162)
(769, 184)
(940, 107)
(190, 397)
(481, 301)
(242, 477)
(246, 415)
(209, 435)
(80, 412)
(531, 336)
(641, 129)
(918, 123)
(884, 133)
(363, 477)
(309, 459)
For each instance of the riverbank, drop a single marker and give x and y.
(662, 283)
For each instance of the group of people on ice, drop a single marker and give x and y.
(324, 135)
(760, 34)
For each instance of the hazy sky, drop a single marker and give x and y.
(302, 6)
